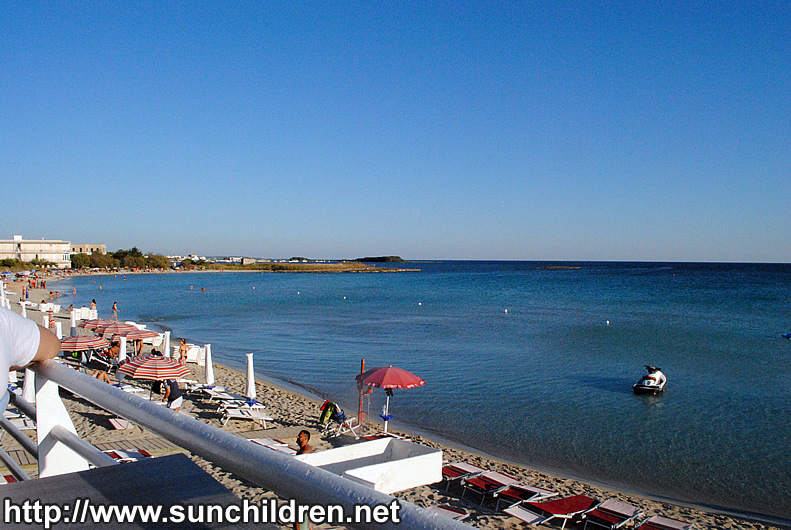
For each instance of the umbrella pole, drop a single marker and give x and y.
(360, 413)
(387, 410)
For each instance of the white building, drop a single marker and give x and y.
(51, 250)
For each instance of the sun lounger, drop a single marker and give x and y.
(257, 416)
(459, 471)
(521, 493)
(213, 393)
(348, 424)
(11, 413)
(120, 424)
(240, 404)
(456, 514)
(129, 388)
(611, 514)
(23, 424)
(657, 522)
(275, 445)
(567, 508)
(382, 434)
(127, 456)
(201, 388)
(489, 483)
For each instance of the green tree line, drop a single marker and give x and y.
(130, 259)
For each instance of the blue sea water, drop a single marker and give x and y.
(526, 361)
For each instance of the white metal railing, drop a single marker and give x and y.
(59, 452)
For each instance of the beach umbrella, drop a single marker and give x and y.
(209, 367)
(83, 343)
(116, 328)
(154, 367)
(250, 389)
(388, 378)
(94, 323)
(140, 334)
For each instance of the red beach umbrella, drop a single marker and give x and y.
(85, 343)
(139, 334)
(388, 378)
(153, 367)
(94, 323)
(116, 328)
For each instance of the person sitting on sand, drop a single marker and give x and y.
(303, 441)
(172, 395)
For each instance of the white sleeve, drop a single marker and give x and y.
(19, 340)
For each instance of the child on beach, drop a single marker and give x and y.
(115, 312)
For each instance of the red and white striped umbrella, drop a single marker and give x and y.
(116, 328)
(140, 334)
(85, 343)
(153, 367)
(94, 323)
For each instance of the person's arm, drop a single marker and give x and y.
(48, 347)
(167, 393)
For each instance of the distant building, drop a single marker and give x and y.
(54, 251)
(248, 261)
(89, 249)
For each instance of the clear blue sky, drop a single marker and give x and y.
(431, 130)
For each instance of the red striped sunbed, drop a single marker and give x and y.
(541, 512)
(489, 483)
(657, 522)
(611, 514)
(522, 492)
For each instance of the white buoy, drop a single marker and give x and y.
(506, 311)
(420, 303)
(608, 322)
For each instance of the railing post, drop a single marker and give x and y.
(29, 386)
(54, 457)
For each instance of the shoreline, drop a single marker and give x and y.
(443, 442)
(292, 396)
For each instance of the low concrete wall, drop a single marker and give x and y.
(387, 465)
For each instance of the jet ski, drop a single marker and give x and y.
(651, 383)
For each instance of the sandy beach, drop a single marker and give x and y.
(293, 412)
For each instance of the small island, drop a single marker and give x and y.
(381, 259)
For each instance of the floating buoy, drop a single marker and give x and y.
(608, 322)
(344, 298)
(506, 311)
(420, 303)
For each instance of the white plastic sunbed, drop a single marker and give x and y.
(457, 514)
(257, 416)
(275, 445)
(240, 404)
